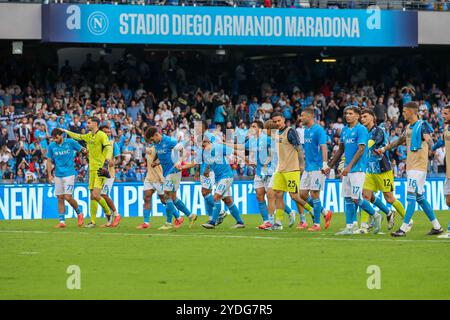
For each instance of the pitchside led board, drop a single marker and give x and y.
(29, 202)
(123, 24)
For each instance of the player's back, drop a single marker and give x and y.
(217, 160)
(259, 152)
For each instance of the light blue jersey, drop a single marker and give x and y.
(208, 134)
(261, 148)
(63, 157)
(314, 138)
(217, 161)
(352, 138)
(116, 148)
(164, 151)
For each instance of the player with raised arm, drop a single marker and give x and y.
(353, 145)
(100, 153)
(379, 175)
(217, 157)
(107, 187)
(316, 159)
(271, 127)
(419, 143)
(61, 153)
(290, 164)
(164, 146)
(260, 152)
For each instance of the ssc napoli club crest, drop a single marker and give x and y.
(97, 23)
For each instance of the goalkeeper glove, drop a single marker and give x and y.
(104, 172)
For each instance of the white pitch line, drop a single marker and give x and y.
(225, 236)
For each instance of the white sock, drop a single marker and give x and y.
(350, 226)
(364, 225)
(278, 222)
(324, 212)
(436, 225)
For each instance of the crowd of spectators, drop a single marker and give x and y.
(177, 90)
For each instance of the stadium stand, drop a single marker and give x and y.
(172, 90)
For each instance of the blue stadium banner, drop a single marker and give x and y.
(28, 202)
(135, 24)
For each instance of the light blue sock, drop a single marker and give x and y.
(62, 217)
(381, 205)
(272, 219)
(235, 213)
(209, 204)
(310, 201)
(426, 207)
(355, 212)
(78, 210)
(216, 212)
(366, 206)
(263, 210)
(147, 216)
(287, 209)
(349, 210)
(410, 207)
(176, 214)
(182, 207)
(317, 210)
(170, 210)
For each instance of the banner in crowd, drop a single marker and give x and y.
(228, 26)
(27, 202)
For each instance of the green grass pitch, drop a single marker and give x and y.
(125, 263)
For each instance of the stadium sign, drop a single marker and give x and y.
(228, 26)
(29, 202)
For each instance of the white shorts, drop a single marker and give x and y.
(207, 182)
(64, 185)
(107, 187)
(416, 181)
(159, 187)
(223, 187)
(352, 185)
(265, 182)
(447, 187)
(172, 182)
(312, 180)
